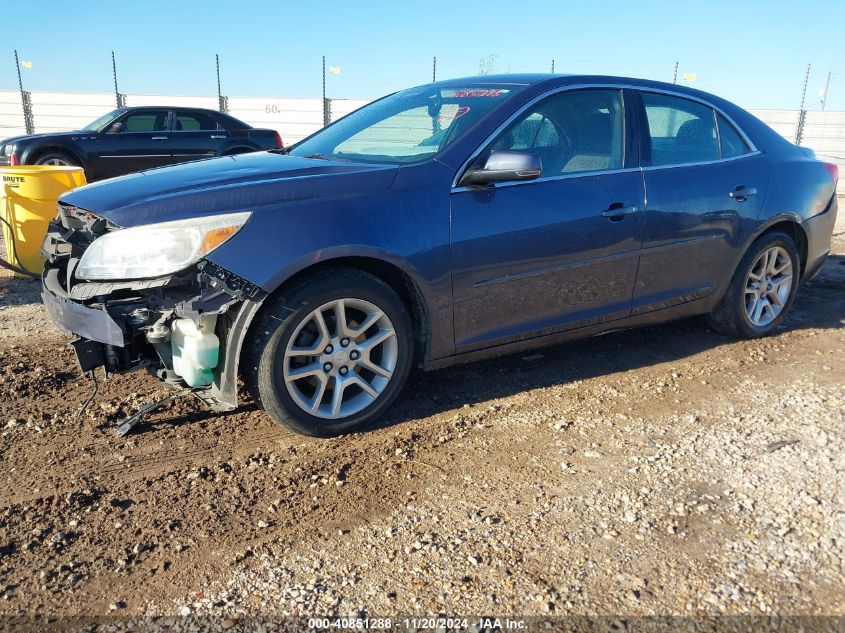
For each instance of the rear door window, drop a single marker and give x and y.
(195, 122)
(679, 131)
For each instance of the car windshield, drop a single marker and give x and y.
(103, 121)
(405, 127)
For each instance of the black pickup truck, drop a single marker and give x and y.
(131, 139)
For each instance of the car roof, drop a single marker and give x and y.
(168, 107)
(558, 79)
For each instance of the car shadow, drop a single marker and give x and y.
(820, 304)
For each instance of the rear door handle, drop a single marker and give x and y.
(742, 193)
(617, 212)
(159, 138)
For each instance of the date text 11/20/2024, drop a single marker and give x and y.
(420, 624)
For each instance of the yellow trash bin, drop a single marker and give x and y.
(28, 203)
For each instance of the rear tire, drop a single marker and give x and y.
(762, 289)
(331, 353)
(57, 159)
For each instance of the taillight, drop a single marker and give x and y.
(13, 161)
(279, 143)
(833, 170)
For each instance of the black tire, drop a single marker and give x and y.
(264, 352)
(53, 156)
(729, 317)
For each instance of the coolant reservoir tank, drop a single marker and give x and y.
(196, 350)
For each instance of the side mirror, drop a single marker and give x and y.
(504, 166)
(115, 128)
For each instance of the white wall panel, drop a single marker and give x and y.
(11, 114)
(175, 101)
(59, 111)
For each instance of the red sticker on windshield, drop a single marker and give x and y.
(478, 92)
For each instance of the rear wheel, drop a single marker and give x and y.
(57, 159)
(329, 355)
(762, 289)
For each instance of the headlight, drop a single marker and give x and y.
(156, 249)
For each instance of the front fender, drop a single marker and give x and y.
(224, 390)
(304, 262)
(29, 153)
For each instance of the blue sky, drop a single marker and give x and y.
(752, 52)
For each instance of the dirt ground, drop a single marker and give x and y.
(664, 471)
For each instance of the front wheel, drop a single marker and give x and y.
(57, 159)
(762, 289)
(329, 355)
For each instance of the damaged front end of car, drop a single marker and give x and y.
(129, 312)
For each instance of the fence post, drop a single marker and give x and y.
(799, 134)
(327, 108)
(28, 119)
(327, 111)
(119, 98)
(26, 101)
(222, 102)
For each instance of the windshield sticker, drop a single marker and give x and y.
(474, 92)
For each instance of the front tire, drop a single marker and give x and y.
(330, 354)
(762, 289)
(57, 159)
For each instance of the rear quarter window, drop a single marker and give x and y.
(731, 142)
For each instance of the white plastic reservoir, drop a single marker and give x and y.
(196, 350)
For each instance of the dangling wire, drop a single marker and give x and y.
(90, 398)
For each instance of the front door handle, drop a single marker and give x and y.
(217, 136)
(159, 138)
(616, 212)
(742, 193)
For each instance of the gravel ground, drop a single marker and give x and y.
(663, 471)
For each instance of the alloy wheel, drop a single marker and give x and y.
(768, 286)
(56, 162)
(340, 358)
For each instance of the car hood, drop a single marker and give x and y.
(34, 137)
(245, 182)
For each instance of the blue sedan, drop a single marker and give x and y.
(441, 224)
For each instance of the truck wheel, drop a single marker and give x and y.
(330, 354)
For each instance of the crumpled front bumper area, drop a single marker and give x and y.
(124, 325)
(75, 318)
